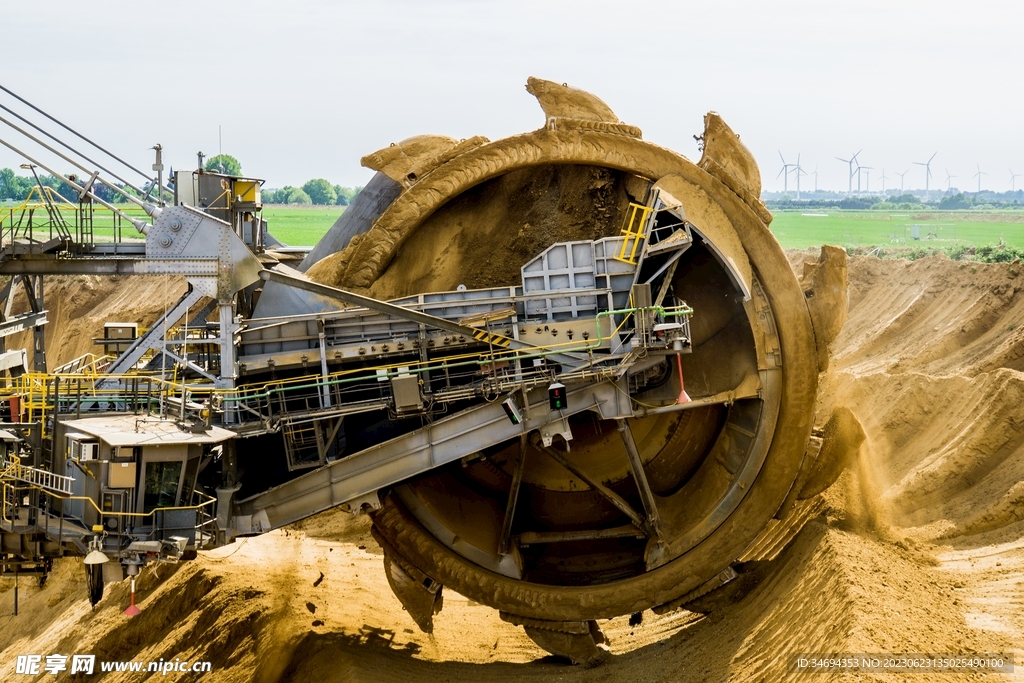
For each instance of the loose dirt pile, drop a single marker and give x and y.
(921, 548)
(77, 307)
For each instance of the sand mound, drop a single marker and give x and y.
(933, 315)
(930, 361)
(77, 307)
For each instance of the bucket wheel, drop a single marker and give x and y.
(631, 514)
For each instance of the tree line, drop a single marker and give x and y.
(318, 191)
(907, 202)
(17, 188)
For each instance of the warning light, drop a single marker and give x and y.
(512, 411)
(557, 397)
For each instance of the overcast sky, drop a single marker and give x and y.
(304, 88)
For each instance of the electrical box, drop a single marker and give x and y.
(406, 390)
(246, 191)
(120, 330)
(117, 337)
(121, 475)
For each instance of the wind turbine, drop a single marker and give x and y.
(884, 178)
(815, 174)
(867, 186)
(901, 178)
(1013, 180)
(798, 171)
(927, 174)
(948, 179)
(859, 169)
(785, 175)
(851, 161)
(978, 176)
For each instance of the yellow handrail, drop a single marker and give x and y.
(56, 199)
(111, 513)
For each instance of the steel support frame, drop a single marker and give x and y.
(153, 339)
(34, 289)
(441, 442)
(636, 466)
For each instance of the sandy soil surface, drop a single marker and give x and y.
(77, 307)
(921, 547)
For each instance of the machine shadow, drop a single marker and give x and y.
(718, 646)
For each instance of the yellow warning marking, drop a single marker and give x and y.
(495, 339)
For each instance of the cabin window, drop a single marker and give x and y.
(190, 481)
(161, 488)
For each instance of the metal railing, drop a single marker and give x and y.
(451, 378)
(87, 364)
(205, 509)
(39, 218)
(54, 483)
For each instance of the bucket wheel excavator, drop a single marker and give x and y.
(570, 374)
(644, 495)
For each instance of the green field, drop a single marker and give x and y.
(799, 230)
(304, 226)
(300, 226)
(295, 226)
